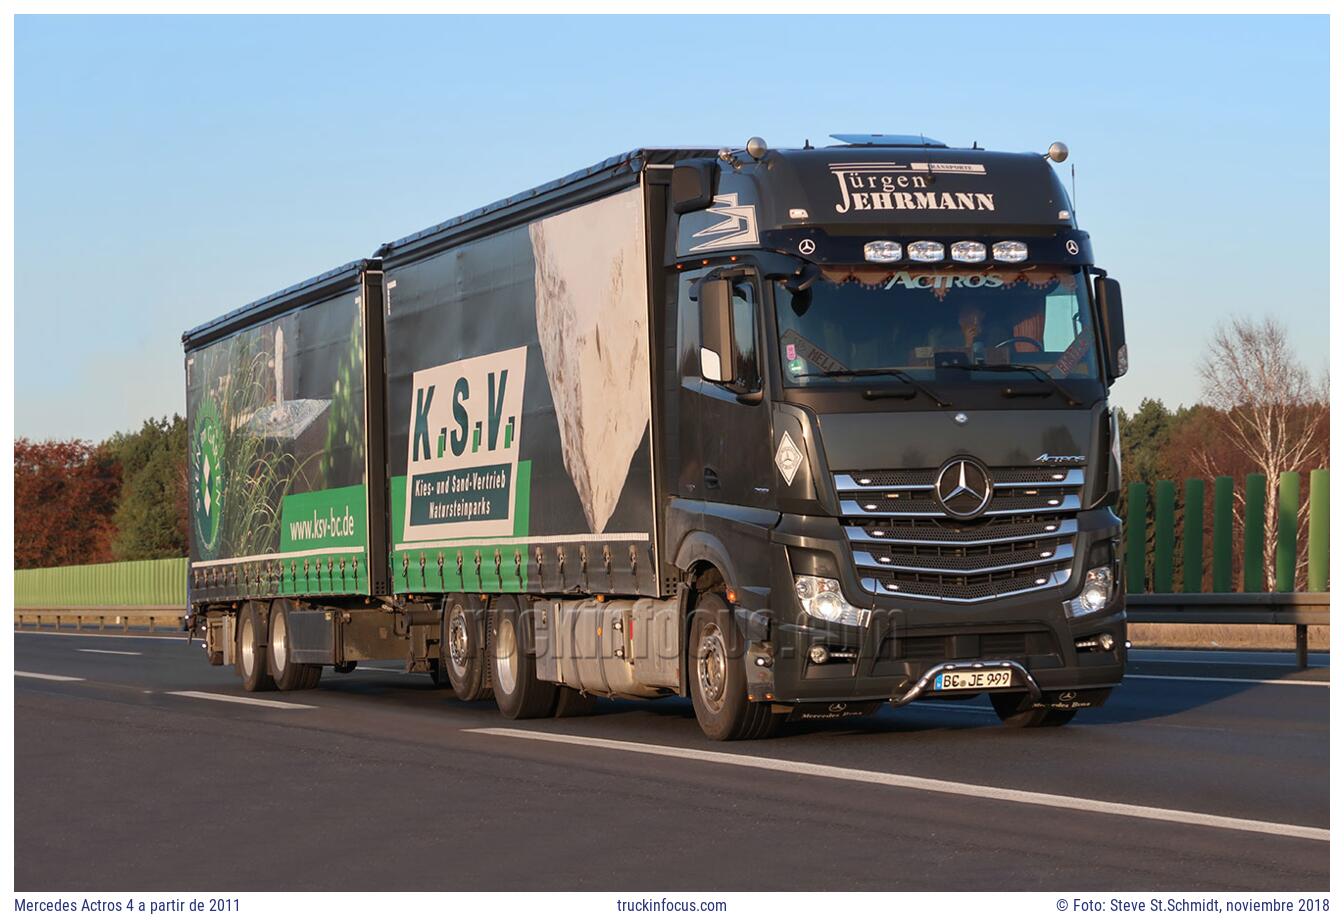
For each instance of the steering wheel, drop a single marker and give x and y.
(1040, 346)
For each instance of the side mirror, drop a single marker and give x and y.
(716, 331)
(693, 185)
(1112, 313)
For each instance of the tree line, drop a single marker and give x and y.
(125, 498)
(1262, 410)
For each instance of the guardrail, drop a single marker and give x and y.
(150, 615)
(1298, 609)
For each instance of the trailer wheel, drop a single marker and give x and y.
(1015, 711)
(519, 693)
(718, 678)
(251, 649)
(288, 674)
(463, 648)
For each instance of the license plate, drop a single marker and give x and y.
(987, 679)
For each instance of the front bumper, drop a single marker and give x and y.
(896, 656)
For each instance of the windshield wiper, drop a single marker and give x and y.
(1030, 369)
(884, 372)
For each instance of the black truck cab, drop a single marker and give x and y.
(890, 387)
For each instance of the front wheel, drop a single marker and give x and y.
(718, 678)
(1016, 711)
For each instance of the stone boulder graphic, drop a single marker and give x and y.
(592, 319)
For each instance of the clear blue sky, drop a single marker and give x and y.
(168, 170)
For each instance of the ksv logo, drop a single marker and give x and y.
(462, 456)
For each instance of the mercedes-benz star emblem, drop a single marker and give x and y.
(963, 488)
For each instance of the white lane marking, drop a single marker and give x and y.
(246, 701)
(105, 651)
(181, 637)
(925, 784)
(1230, 680)
(37, 676)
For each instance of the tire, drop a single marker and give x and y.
(250, 652)
(718, 678)
(570, 703)
(287, 674)
(463, 648)
(519, 693)
(1015, 711)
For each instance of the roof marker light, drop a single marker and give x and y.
(882, 251)
(1010, 251)
(925, 251)
(968, 251)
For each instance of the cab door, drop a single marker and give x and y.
(730, 417)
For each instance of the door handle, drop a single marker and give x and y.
(711, 478)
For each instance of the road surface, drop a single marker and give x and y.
(139, 767)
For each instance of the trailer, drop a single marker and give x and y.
(620, 436)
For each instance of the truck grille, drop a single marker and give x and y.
(903, 544)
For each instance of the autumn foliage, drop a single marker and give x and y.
(65, 494)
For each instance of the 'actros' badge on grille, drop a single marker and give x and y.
(963, 488)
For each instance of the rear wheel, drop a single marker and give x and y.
(719, 681)
(287, 673)
(519, 693)
(463, 649)
(1016, 711)
(251, 648)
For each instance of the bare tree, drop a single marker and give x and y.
(1274, 409)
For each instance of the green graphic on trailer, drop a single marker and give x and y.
(416, 566)
(207, 449)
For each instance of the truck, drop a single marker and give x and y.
(794, 433)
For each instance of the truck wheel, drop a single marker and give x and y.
(288, 674)
(251, 649)
(570, 703)
(718, 678)
(519, 693)
(463, 648)
(1015, 711)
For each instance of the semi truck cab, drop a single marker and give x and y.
(895, 448)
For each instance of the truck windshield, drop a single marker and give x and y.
(865, 317)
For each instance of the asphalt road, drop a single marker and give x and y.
(377, 780)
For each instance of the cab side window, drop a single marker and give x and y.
(744, 334)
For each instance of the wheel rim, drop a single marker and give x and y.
(279, 650)
(506, 656)
(248, 651)
(712, 667)
(458, 643)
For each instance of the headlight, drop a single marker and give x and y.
(1098, 589)
(968, 251)
(882, 251)
(821, 598)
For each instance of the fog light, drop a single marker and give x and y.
(818, 654)
(1107, 641)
